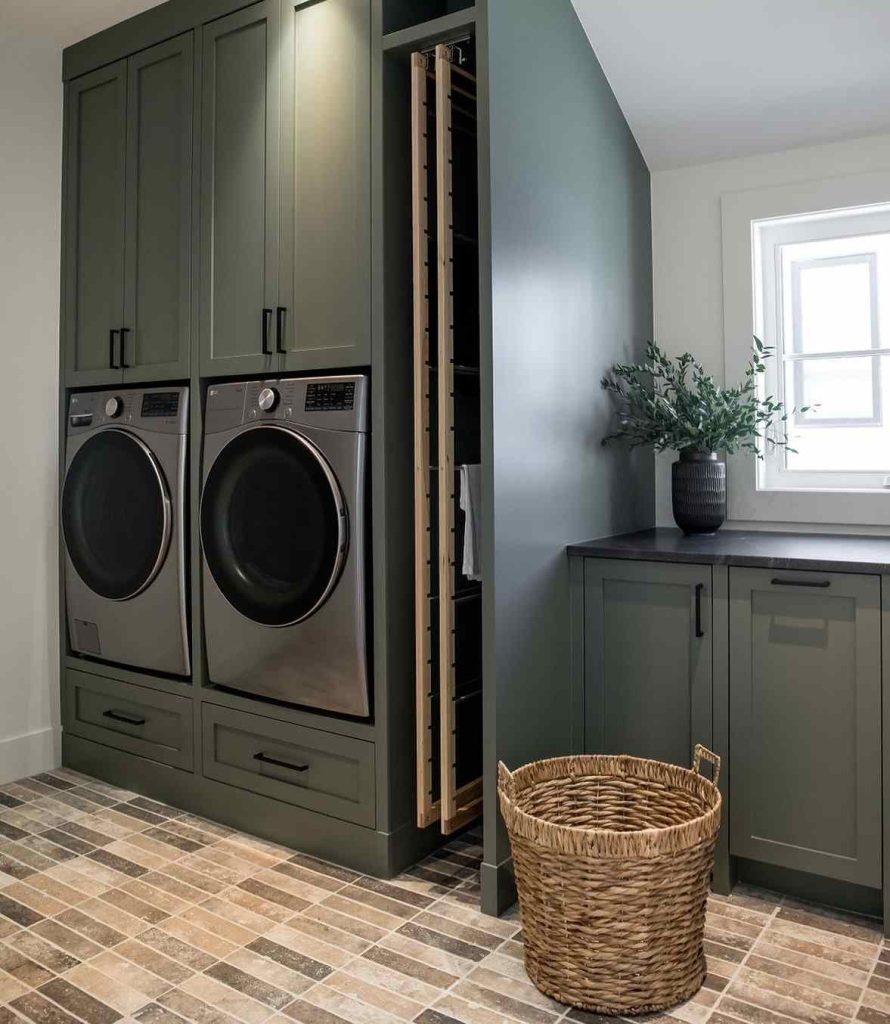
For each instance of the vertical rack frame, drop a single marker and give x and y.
(427, 808)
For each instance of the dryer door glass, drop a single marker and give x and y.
(116, 514)
(273, 526)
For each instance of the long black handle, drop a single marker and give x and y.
(822, 584)
(111, 353)
(123, 716)
(699, 587)
(124, 331)
(267, 323)
(280, 314)
(266, 759)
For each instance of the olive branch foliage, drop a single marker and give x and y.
(671, 404)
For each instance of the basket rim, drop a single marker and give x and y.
(609, 843)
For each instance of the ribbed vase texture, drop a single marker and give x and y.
(699, 492)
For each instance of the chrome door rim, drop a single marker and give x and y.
(342, 521)
(166, 530)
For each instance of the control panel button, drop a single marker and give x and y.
(268, 399)
(114, 407)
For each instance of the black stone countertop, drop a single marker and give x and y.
(826, 552)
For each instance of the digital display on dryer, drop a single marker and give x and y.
(334, 397)
(160, 404)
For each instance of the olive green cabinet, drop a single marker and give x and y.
(805, 721)
(647, 658)
(128, 217)
(239, 192)
(286, 212)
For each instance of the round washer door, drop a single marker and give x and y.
(116, 514)
(274, 526)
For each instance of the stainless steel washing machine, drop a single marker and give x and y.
(283, 540)
(123, 523)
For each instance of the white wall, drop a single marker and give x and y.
(32, 36)
(687, 256)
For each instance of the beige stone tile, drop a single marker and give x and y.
(107, 990)
(386, 977)
(218, 925)
(362, 912)
(356, 926)
(23, 892)
(269, 971)
(348, 984)
(113, 917)
(348, 1008)
(453, 966)
(451, 1007)
(154, 897)
(508, 977)
(187, 932)
(323, 952)
(124, 972)
(226, 999)
(332, 935)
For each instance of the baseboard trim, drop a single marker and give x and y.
(498, 887)
(29, 754)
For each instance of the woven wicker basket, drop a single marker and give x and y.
(613, 858)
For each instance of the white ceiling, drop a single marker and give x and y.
(62, 22)
(703, 80)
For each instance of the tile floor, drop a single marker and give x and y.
(116, 908)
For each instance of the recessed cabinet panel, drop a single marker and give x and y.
(805, 721)
(325, 198)
(94, 224)
(239, 195)
(648, 658)
(159, 200)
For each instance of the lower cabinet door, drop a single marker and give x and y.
(647, 642)
(805, 722)
(318, 770)
(135, 719)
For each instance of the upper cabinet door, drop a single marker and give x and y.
(648, 647)
(239, 193)
(325, 293)
(157, 296)
(94, 225)
(805, 721)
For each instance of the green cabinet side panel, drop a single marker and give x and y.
(157, 301)
(805, 722)
(326, 184)
(239, 195)
(94, 209)
(647, 673)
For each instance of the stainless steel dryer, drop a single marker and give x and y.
(123, 515)
(283, 540)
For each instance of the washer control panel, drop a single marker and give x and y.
(162, 410)
(329, 403)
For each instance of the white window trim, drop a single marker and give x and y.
(739, 211)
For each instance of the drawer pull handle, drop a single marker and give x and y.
(123, 716)
(266, 759)
(699, 632)
(778, 582)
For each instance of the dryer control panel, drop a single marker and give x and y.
(329, 403)
(163, 410)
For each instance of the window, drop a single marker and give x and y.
(822, 301)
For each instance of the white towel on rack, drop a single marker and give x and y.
(471, 506)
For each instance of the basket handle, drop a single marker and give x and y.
(702, 753)
(505, 779)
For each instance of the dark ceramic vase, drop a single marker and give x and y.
(699, 491)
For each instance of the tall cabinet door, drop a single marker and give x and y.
(805, 721)
(157, 296)
(325, 294)
(648, 648)
(239, 194)
(94, 225)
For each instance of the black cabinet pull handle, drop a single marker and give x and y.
(111, 353)
(699, 587)
(124, 331)
(280, 314)
(267, 324)
(123, 716)
(266, 759)
(822, 584)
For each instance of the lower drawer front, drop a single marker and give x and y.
(320, 771)
(132, 718)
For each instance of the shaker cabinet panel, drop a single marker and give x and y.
(157, 300)
(325, 291)
(239, 193)
(648, 646)
(94, 225)
(805, 721)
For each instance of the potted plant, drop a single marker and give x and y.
(672, 404)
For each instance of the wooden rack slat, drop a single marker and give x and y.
(427, 808)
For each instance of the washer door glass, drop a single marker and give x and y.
(273, 526)
(116, 514)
